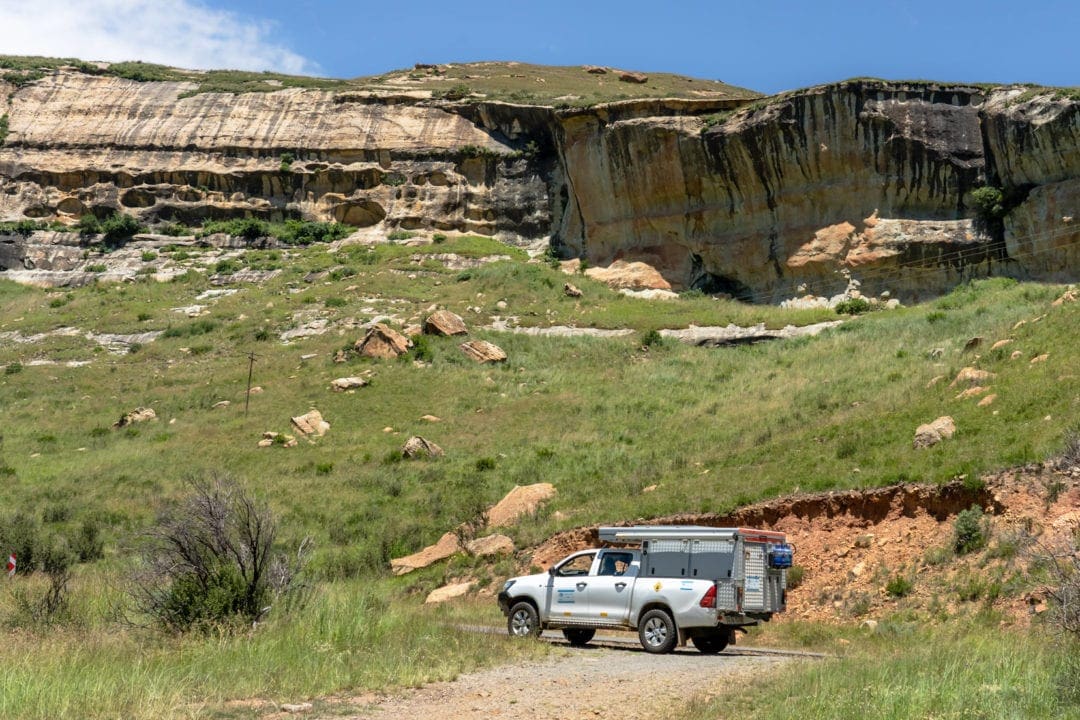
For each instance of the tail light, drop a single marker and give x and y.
(708, 600)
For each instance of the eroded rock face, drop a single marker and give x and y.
(765, 204)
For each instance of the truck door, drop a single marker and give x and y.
(753, 576)
(609, 590)
(567, 589)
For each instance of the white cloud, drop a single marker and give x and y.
(182, 33)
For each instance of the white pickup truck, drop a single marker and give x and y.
(680, 583)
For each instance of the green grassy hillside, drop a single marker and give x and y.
(601, 419)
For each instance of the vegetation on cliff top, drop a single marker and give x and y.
(505, 81)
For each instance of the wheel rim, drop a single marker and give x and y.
(656, 632)
(521, 623)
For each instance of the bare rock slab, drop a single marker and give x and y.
(383, 342)
(446, 323)
(138, 415)
(349, 383)
(971, 377)
(310, 424)
(448, 545)
(522, 500)
(448, 592)
(932, 433)
(490, 545)
(483, 352)
(418, 447)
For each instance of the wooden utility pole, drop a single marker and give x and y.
(251, 369)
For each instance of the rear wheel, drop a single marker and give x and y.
(657, 632)
(711, 644)
(523, 621)
(578, 636)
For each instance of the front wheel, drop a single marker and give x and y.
(711, 644)
(578, 636)
(523, 621)
(657, 632)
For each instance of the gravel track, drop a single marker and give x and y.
(590, 682)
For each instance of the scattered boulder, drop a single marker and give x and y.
(383, 342)
(935, 380)
(571, 290)
(633, 77)
(220, 405)
(971, 376)
(1040, 358)
(310, 423)
(490, 545)
(446, 323)
(341, 357)
(932, 433)
(972, 392)
(138, 415)
(1016, 354)
(349, 383)
(522, 500)
(623, 275)
(1001, 343)
(271, 438)
(296, 707)
(1067, 296)
(430, 418)
(448, 592)
(972, 343)
(483, 352)
(413, 331)
(595, 69)
(448, 545)
(417, 447)
(988, 400)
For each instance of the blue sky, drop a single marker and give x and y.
(767, 46)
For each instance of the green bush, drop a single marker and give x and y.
(795, 575)
(227, 266)
(852, 306)
(209, 561)
(652, 338)
(20, 533)
(119, 227)
(989, 203)
(899, 586)
(13, 368)
(3, 128)
(970, 531)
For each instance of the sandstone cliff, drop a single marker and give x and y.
(779, 198)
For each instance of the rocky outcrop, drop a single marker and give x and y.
(764, 203)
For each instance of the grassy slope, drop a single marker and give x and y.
(601, 419)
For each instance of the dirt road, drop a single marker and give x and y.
(592, 682)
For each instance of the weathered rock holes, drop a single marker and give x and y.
(359, 213)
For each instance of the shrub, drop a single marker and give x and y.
(795, 575)
(852, 306)
(119, 227)
(652, 338)
(438, 238)
(87, 543)
(485, 463)
(989, 203)
(899, 586)
(148, 255)
(335, 302)
(88, 225)
(21, 534)
(13, 368)
(399, 235)
(210, 559)
(3, 128)
(227, 266)
(421, 350)
(970, 531)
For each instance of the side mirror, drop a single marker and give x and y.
(551, 570)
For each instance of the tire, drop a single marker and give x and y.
(578, 636)
(523, 621)
(711, 644)
(657, 632)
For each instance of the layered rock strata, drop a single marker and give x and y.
(793, 195)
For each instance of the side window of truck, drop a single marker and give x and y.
(615, 563)
(579, 565)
